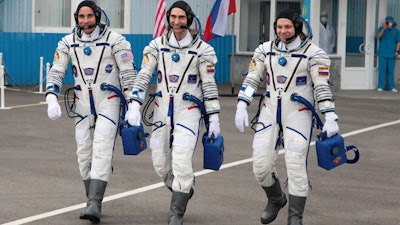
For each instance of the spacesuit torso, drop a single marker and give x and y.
(179, 70)
(300, 71)
(107, 59)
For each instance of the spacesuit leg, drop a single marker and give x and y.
(161, 155)
(185, 138)
(264, 158)
(186, 132)
(297, 138)
(297, 132)
(182, 164)
(84, 140)
(264, 152)
(103, 147)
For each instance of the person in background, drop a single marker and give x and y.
(289, 64)
(98, 55)
(186, 64)
(327, 35)
(389, 48)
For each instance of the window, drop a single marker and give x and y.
(114, 10)
(48, 13)
(255, 21)
(58, 16)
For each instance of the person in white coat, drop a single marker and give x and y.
(289, 64)
(98, 55)
(327, 35)
(185, 64)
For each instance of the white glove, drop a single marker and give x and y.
(133, 113)
(213, 129)
(241, 117)
(331, 126)
(53, 108)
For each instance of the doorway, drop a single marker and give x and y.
(358, 24)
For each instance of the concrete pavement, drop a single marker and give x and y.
(41, 183)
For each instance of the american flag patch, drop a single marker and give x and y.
(323, 71)
(127, 57)
(210, 69)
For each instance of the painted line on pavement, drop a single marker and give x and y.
(161, 184)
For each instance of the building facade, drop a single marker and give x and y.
(30, 29)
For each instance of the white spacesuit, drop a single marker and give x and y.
(294, 67)
(103, 56)
(184, 66)
(306, 70)
(192, 73)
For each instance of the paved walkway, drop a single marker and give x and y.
(41, 183)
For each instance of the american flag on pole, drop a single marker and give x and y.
(216, 21)
(159, 22)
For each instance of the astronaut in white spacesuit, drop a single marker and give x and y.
(186, 64)
(288, 64)
(98, 55)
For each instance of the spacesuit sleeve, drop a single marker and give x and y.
(255, 75)
(125, 60)
(58, 68)
(207, 61)
(320, 73)
(149, 62)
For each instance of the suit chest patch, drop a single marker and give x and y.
(301, 80)
(192, 78)
(281, 79)
(173, 78)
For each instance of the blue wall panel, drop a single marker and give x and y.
(22, 52)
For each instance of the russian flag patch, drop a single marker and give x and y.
(323, 71)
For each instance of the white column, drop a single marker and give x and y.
(40, 76)
(2, 101)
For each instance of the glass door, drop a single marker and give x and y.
(358, 67)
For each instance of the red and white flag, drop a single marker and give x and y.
(159, 21)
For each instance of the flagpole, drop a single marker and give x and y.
(233, 54)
